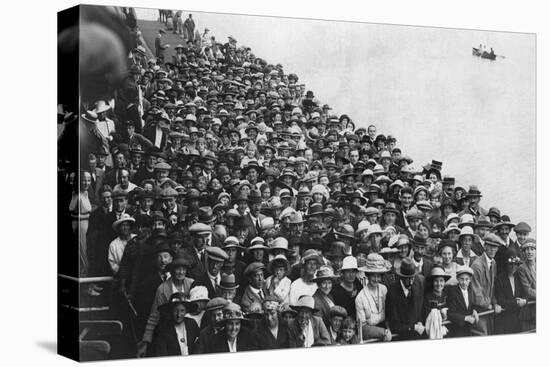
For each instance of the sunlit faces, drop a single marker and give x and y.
(310, 267)
(490, 250)
(163, 258)
(178, 313)
(438, 284)
(256, 279)
(464, 280)
(325, 286)
(214, 267)
(466, 243)
(521, 236)
(232, 328)
(85, 180)
(446, 254)
(530, 253)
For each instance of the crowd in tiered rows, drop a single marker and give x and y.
(236, 212)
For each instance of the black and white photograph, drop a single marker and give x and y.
(232, 182)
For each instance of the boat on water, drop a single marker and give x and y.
(484, 54)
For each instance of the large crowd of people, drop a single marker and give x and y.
(236, 212)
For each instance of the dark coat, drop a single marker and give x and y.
(204, 280)
(150, 132)
(458, 310)
(142, 174)
(165, 340)
(246, 340)
(248, 223)
(343, 298)
(322, 305)
(99, 236)
(508, 322)
(205, 339)
(403, 312)
(320, 333)
(268, 341)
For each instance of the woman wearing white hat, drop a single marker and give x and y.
(345, 292)
(465, 256)
(435, 303)
(370, 303)
(123, 227)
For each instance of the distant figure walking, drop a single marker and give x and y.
(159, 46)
(189, 26)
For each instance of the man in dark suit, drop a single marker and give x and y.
(255, 292)
(100, 234)
(200, 233)
(406, 200)
(215, 258)
(177, 335)
(112, 177)
(483, 283)
(404, 302)
(155, 132)
(214, 314)
(460, 298)
(253, 219)
(270, 332)
(423, 265)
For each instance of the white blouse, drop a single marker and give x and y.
(371, 305)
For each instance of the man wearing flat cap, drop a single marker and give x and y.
(200, 235)
(483, 284)
(256, 290)
(214, 315)
(211, 277)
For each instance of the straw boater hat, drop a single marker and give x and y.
(198, 293)
(463, 269)
(232, 242)
(349, 263)
(324, 273)
(257, 243)
(305, 303)
(406, 268)
(466, 231)
(438, 271)
(375, 264)
(123, 218)
(466, 220)
(101, 106)
(311, 255)
(362, 226)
